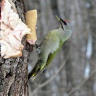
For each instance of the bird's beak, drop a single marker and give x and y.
(57, 18)
(60, 20)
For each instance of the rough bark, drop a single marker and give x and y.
(13, 71)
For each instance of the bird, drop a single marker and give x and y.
(50, 45)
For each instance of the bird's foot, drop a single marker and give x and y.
(37, 48)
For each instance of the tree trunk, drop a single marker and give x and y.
(13, 71)
(92, 20)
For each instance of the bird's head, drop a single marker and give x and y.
(66, 27)
(64, 24)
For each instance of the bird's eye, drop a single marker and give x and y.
(64, 22)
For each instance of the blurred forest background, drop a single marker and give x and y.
(73, 71)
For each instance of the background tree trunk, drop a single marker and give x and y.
(13, 72)
(91, 85)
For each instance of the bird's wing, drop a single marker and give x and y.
(52, 55)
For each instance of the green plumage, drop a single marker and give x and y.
(49, 47)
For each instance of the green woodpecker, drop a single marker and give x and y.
(50, 45)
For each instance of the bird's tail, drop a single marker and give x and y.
(30, 74)
(35, 70)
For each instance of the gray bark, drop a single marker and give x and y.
(13, 71)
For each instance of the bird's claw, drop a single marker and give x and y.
(37, 48)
